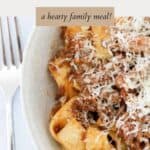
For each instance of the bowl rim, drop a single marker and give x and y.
(23, 104)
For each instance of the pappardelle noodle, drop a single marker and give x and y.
(103, 79)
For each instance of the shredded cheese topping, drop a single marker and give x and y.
(119, 85)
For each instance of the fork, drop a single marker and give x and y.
(10, 60)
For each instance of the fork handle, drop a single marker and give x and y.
(9, 125)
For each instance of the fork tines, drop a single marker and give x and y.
(10, 44)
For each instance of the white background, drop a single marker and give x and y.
(122, 7)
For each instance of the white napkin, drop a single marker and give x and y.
(2, 122)
(23, 140)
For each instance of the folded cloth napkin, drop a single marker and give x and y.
(2, 121)
(23, 140)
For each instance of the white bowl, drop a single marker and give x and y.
(38, 88)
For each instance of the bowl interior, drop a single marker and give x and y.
(38, 88)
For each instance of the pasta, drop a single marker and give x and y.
(103, 79)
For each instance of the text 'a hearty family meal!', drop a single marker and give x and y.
(103, 79)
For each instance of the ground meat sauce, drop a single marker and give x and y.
(112, 94)
(85, 111)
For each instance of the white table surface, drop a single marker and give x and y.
(22, 135)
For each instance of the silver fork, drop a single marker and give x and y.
(10, 60)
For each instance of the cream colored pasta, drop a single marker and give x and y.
(102, 74)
